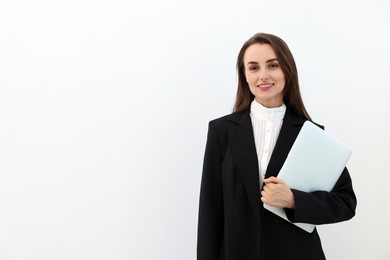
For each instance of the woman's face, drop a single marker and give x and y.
(264, 75)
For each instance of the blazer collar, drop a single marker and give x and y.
(244, 150)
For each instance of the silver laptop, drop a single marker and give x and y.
(315, 162)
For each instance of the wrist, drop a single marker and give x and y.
(292, 200)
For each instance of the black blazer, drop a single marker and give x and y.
(232, 222)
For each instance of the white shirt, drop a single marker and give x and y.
(266, 123)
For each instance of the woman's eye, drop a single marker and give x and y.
(253, 68)
(273, 65)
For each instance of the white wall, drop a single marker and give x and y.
(104, 108)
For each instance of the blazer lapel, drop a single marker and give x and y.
(291, 126)
(243, 147)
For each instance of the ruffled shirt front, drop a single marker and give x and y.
(266, 123)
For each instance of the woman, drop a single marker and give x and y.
(244, 153)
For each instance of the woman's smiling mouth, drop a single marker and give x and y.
(265, 86)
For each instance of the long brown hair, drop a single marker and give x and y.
(291, 93)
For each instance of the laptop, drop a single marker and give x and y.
(315, 162)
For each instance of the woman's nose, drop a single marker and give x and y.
(264, 75)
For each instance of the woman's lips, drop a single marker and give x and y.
(265, 86)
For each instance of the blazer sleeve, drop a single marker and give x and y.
(322, 207)
(210, 222)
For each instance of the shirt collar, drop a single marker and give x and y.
(267, 114)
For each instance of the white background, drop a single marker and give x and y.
(104, 108)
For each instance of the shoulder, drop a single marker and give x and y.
(295, 119)
(219, 132)
(228, 121)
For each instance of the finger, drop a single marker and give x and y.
(266, 187)
(270, 179)
(267, 201)
(273, 180)
(269, 187)
(265, 195)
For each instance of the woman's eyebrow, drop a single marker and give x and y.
(274, 59)
(255, 62)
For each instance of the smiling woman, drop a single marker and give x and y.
(244, 153)
(264, 75)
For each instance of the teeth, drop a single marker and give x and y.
(265, 85)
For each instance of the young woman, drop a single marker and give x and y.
(244, 153)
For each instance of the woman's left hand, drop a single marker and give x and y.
(276, 193)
